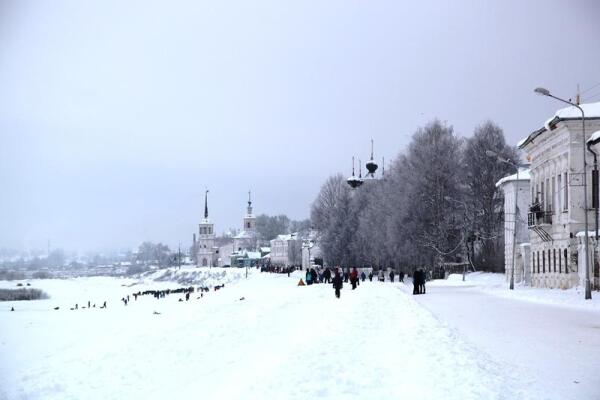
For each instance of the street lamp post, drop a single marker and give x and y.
(588, 289)
(514, 243)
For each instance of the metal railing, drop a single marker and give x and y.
(535, 218)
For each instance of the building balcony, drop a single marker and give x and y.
(537, 218)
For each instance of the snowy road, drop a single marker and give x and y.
(281, 342)
(559, 346)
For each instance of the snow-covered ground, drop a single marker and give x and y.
(552, 335)
(258, 338)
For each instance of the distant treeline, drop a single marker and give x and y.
(10, 275)
(22, 294)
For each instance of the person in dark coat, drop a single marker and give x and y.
(308, 277)
(392, 275)
(327, 275)
(337, 283)
(371, 276)
(401, 276)
(422, 279)
(315, 278)
(363, 276)
(346, 276)
(415, 281)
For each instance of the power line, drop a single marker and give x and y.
(590, 88)
(592, 96)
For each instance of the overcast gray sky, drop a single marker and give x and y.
(115, 115)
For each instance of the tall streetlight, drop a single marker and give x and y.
(588, 288)
(491, 153)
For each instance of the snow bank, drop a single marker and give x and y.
(496, 284)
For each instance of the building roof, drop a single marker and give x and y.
(591, 110)
(524, 175)
(595, 138)
(287, 237)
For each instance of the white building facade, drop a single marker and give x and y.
(286, 250)
(556, 215)
(509, 186)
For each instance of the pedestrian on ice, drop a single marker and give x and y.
(392, 275)
(371, 276)
(337, 283)
(401, 276)
(363, 276)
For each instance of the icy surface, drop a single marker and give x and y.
(258, 338)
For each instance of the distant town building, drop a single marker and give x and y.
(556, 215)
(286, 250)
(311, 250)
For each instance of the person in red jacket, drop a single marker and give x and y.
(354, 278)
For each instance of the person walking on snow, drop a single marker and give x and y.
(327, 275)
(392, 275)
(337, 283)
(381, 276)
(308, 277)
(354, 278)
(363, 276)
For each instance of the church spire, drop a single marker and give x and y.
(249, 202)
(206, 204)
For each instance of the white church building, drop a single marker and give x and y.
(205, 244)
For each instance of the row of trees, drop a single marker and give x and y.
(437, 203)
(268, 227)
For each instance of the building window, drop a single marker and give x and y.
(538, 262)
(554, 258)
(552, 197)
(558, 195)
(542, 198)
(204, 262)
(566, 264)
(532, 263)
(548, 197)
(566, 194)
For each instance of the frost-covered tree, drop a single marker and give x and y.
(268, 227)
(332, 214)
(431, 172)
(484, 200)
